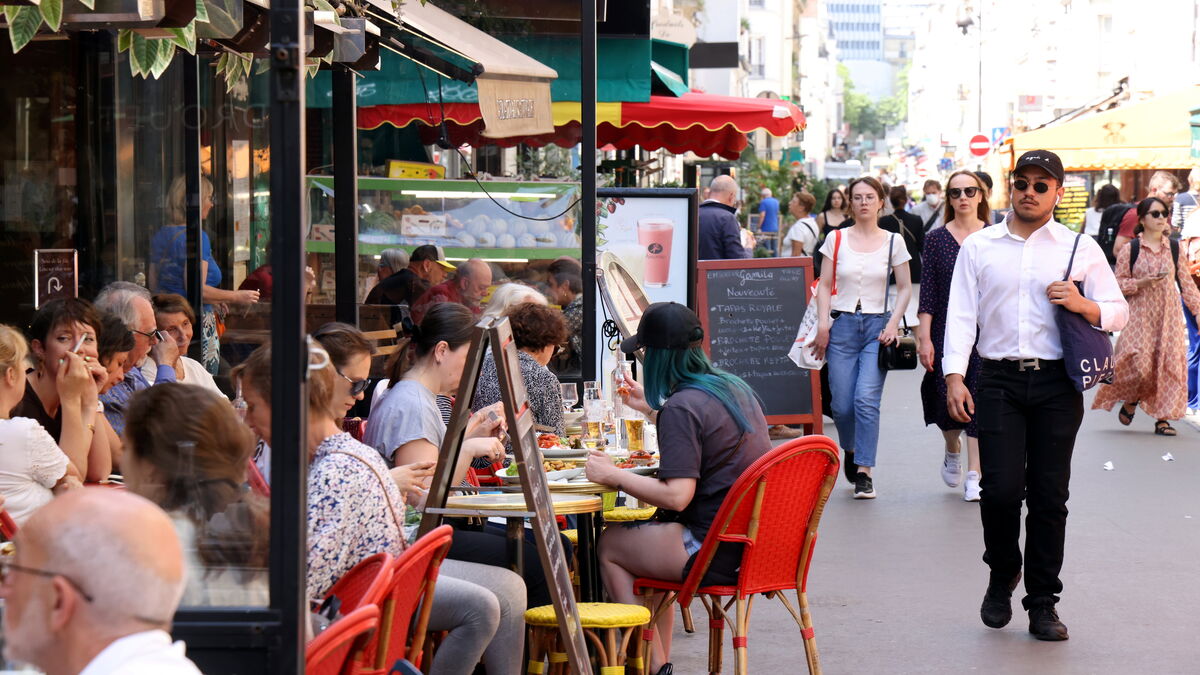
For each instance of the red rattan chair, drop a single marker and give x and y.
(365, 584)
(257, 481)
(332, 652)
(773, 509)
(8, 526)
(414, 573)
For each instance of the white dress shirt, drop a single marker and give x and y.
(147, 653)
(999, 293)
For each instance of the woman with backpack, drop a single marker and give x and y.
(1151, 354)
(1105, 197)
(804, 232)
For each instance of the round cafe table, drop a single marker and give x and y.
(512, 508)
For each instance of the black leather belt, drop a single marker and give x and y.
(1022, 365)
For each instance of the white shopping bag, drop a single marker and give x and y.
(801, 352)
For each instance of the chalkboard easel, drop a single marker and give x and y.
(751, 310)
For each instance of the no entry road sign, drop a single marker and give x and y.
(979, 145)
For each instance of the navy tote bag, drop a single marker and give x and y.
(1087, 350)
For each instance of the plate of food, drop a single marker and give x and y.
(556, 469)
(554, 447)
(639, 462)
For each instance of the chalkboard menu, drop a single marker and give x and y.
(751, 310)
(1073, 206)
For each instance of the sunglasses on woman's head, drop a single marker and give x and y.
(1158, 214)
(1021, 185)
(970, 192)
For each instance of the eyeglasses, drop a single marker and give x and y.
(7, 568)
(356, 386)
(153, 335)
(864, 198)
(970, 192)
(1158, 214)
(1021, 185)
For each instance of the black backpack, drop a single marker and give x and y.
(1110, 225)
(1135, 247)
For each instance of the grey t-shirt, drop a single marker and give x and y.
(408, 412)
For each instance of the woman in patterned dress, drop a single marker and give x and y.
(966, 213)
(1151, 354)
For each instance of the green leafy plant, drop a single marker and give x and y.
(24, 21)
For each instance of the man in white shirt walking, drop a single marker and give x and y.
(1007, 283)
(93, 588)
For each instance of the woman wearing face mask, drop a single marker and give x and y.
(355, 511)
(32, 467)
(1151, 354)
(967, 213)
(859, 325)
(930, 208)
(62, 391)
(175, 317)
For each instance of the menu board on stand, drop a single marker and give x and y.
(751, 310)
(519, 417)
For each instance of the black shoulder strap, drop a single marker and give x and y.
(932, 217)
(1071, 262)
(1135, 247)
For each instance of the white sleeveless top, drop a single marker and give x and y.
(862, 278)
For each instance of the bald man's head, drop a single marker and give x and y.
(723, 189)
(118, 548)
(473, 278)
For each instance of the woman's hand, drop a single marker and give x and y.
(600, 469)
(490, 449)
(245, 297)
(633, 394)
(75, 382)
(487, 422)
(412, 479)
(1150, 281)
(887, 336)
(821, 341)
(925, 354)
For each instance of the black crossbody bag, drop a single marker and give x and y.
(901, 354)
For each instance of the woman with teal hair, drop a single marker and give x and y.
(710, 429)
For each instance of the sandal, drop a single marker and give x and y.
(1125, 415)
(1164, 428)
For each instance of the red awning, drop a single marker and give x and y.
(705, 124)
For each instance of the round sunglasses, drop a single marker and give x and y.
(970, 192)
(1021, 185)
(356, 386)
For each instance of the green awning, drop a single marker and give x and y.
(673, 56)
(623, 74)
(667, 82)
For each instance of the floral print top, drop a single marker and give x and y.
(348, 510)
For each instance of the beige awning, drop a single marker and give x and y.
(514, 89)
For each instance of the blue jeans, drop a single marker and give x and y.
(1193, 362)
(856, 382)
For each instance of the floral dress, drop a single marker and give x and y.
(355, 510)
(940, 254)
(1151, 354)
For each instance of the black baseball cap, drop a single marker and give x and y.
(431, 252)
(665, 325)
(1044, 160)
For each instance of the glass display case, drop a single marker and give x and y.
(510, 224)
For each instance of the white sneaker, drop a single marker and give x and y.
(952, 469)
(971, 488)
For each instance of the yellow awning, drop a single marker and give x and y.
(1155, 134)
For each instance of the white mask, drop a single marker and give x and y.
(933, 198)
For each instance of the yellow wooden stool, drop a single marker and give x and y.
(571, 535)
(609, 626)
(626, 514)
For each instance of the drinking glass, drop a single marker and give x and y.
(570, 395)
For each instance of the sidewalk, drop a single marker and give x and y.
(896, 583)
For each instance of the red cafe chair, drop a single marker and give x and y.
(402, 626)
(8, 526)
(332, 652)
(773, 510)
(365, 584)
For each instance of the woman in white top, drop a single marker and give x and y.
(175, 317)
(32, 467)
(804, 232)
(1106, 196)
(856, 321)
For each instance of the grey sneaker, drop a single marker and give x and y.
(863, 487)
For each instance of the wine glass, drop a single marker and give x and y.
(570, 395)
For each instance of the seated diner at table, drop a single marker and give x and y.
(710, 429)
(406, 427)
(355, 510)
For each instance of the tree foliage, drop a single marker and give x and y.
(872, 118)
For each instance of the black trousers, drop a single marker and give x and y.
(489, 546)
(1027, 425)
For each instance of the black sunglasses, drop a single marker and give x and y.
(1021, 185)
(356, 386)
(970, 192)
(7, 568)
(1158, 214)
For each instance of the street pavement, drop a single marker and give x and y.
(896, 583)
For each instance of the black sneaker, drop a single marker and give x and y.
(1045, 625)
(863, 487)
(996, 610)
(848, 466)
